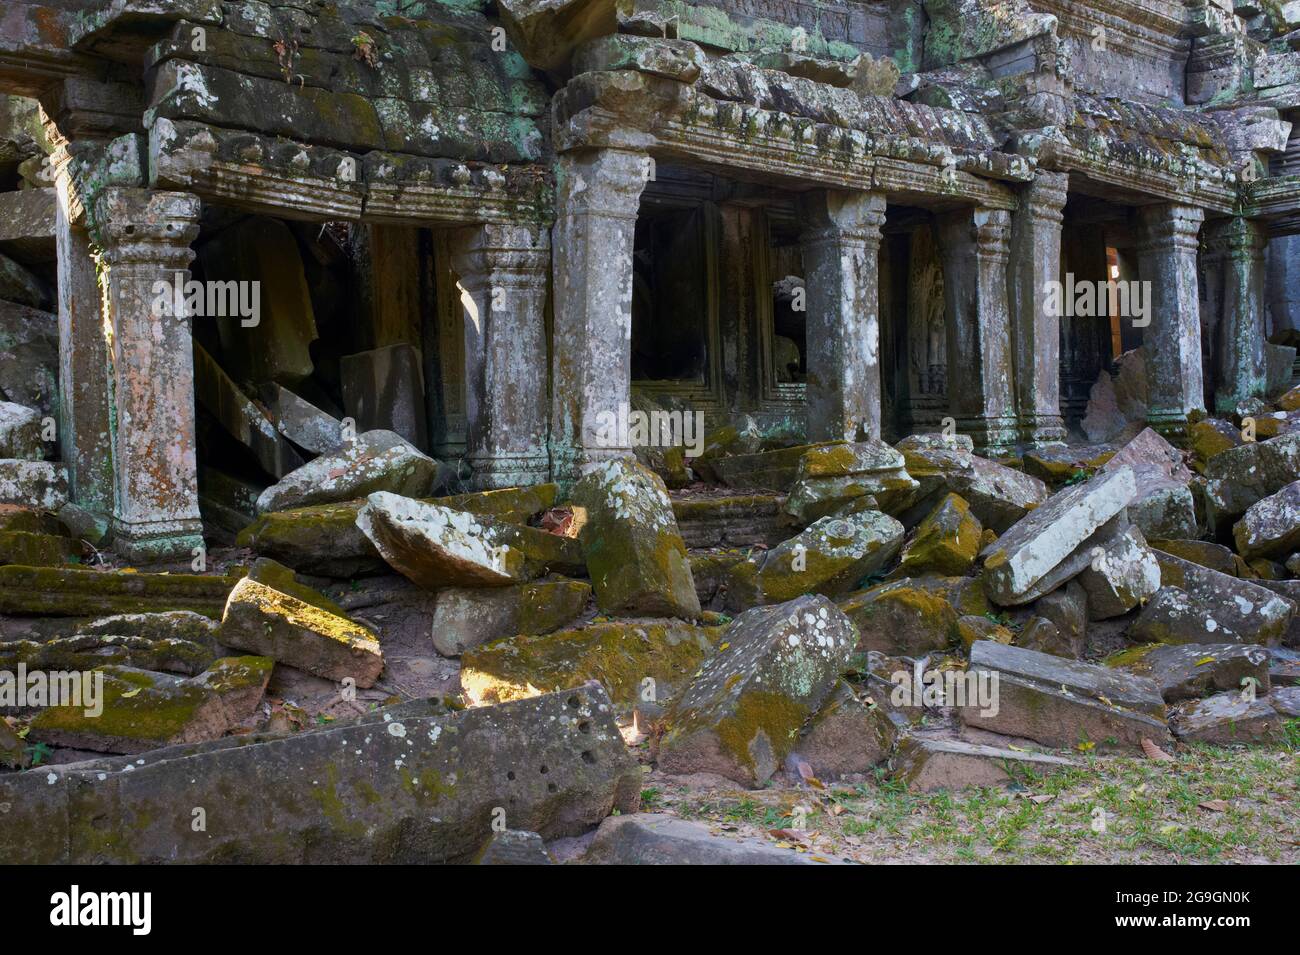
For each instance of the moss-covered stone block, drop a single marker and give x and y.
(946, 542)
(61, 591)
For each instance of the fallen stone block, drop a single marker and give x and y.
(89, 651)
(833, 475)
(383, 389)
(1059, 464)
(847, 736)
(635, 554)
(1044, 636)
(435, 546)
(1123, 575)
(547, 32)
(946, 542)
(763, 470)
(636, 661)
(1163, 504)
(1206, 553)
(899, 618)
(998, 496)
(830, 557)
(513, 847)
(467, 617)
(38, 484)
(1019, 566)
(399, 786)
(1067, 609)
(972, 629)
(37, 550)
(928, 765)
(1211, 437)
(262, 619)
(1270, 526)
(1240, 476)
(20, 432)
(1227, 718)
(740, 521)
(301, 421)
(29, 357)
(1196, 669)
(141, 710)
(323, 540)
(376, 461)
(657, 839)
(238, 417)
(1064, 703)
(1241, 611)
(65, 592)
(740, 717)
(678, 60)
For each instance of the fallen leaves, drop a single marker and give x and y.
(1153, 751)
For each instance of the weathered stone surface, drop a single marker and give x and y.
(1163, 505)
(833, 475)
(1243, 475)
(466, 617)
(1117, 405)
(39, 484)
(37, 550)
(383, 389)
(240, 418)
(29, 356)
(437, 547)
(928, 765)
(301, 421)
(1211, 437)
(376, 461)
(740, 717)
(739, 521)
(621, 655)
(1270, 526)
(657, 839)
(548, 31)
(513, 847)
(262, 619)
(1065, 703)
(1122, 576)
(1243, 612)
(420, 790)
(1196, 669)
(997, 495)
(1227, 718)
(66, 592)
(674, 59)
(972, 629)
(87, 651)
(1206, 553)
(762, 470)
(20, 432)
(1018, 563)
(1061, 463)
(832, 556)
(144, 711)
(946, 542)
(1067, 609)
(634, 551)
(901, 618)
(1044, 636)
(847, 736)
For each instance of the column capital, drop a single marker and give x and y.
(605, 182)
(1044, 198)
(838, 214)
(1238, 236)
(146, 226)
(1168, 224)
(509, 254)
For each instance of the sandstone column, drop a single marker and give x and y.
(1239, 341)
(504, 269)
(597, 196)
(841, 257)
(1035, 331)
(145, 238)
(973, 245)
(83, 426)
(1167, 259)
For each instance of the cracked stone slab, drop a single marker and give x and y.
(1192, 670)
(927, 765)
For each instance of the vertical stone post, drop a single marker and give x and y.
(841, 257)
(505, 269)
(145, 238)
(1035, 331)
(598, 193)
(973, 245)
(1167, 259)
(1239, 340)
(84, 431)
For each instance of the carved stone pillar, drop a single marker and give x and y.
(1239, 332)
(505, 269)
(1167, 259)
(597, 197)
(1035, 331)
(981, 396)
(84, 418)
(841, 256)
(145, 238)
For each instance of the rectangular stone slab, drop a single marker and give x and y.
(51, 591)
(1064, 703)
(407, 788)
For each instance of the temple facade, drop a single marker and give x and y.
(232, 228)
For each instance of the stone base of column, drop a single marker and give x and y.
(1170, 425)
(570, 464)
(493, 472)
(1042, 431)
(157, 540)
(992, 436)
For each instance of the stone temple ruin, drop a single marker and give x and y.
(582, 333)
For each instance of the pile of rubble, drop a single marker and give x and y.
(375, 673)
